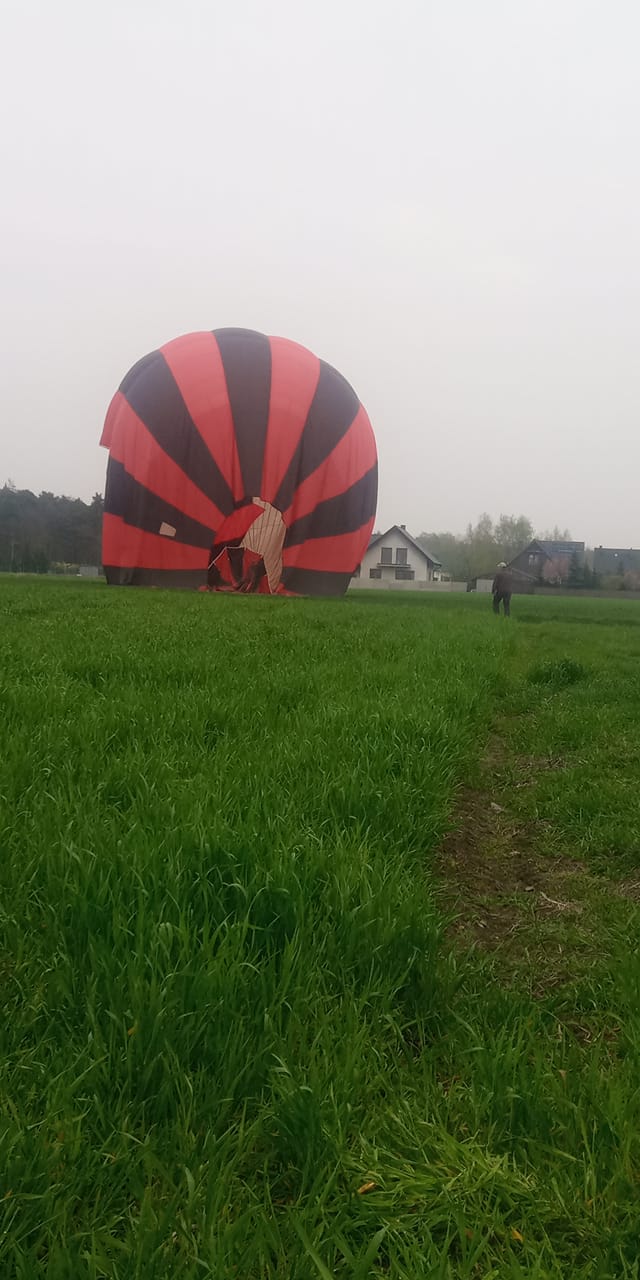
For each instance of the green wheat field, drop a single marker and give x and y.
(319, 935)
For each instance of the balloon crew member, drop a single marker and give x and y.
(502, 588)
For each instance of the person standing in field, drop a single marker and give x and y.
(502, 588)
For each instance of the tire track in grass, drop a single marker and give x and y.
(523, 872)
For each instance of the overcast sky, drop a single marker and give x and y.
(440, 197)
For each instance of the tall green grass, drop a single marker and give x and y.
(228, 1002)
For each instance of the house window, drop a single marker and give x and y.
(401, 555)
(533, 560)
(356, 572)
(375, 573)
(386, 555)
(405, 574)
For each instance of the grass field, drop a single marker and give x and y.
(318, 937)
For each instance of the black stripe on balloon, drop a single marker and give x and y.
(140, 367)
(138, 506)
(343, 514)
(176, 579)
(246, 359)
(332, 410)
(153, 393)
(314, 582)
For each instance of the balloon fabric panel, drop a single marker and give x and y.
(237, 462)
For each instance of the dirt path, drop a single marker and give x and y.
(538, 913)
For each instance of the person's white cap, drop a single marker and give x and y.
(502, 565)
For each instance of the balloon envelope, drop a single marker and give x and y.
(237, 462)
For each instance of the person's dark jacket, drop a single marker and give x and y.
(502, 583)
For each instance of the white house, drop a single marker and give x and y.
(395, 556)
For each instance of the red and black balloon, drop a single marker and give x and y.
(238, 462)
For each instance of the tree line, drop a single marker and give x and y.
(481, 548)
(40, 533)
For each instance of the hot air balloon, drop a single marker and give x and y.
(237, 462)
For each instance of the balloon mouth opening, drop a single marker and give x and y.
(246, 555)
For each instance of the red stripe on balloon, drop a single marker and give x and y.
(339, 554)
(238, 523)
(107, 430)
(196, 365)
(352, 457)
(294, 378)
(132, 444)
(124, 545)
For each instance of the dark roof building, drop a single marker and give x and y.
(560, 547)
(548, 559)
(616, 560)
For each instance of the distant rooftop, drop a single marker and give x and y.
(616, 560)
(561, 547)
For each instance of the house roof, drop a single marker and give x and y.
(397, 528)
(616, 559)
(550, 548)
(560, 547)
